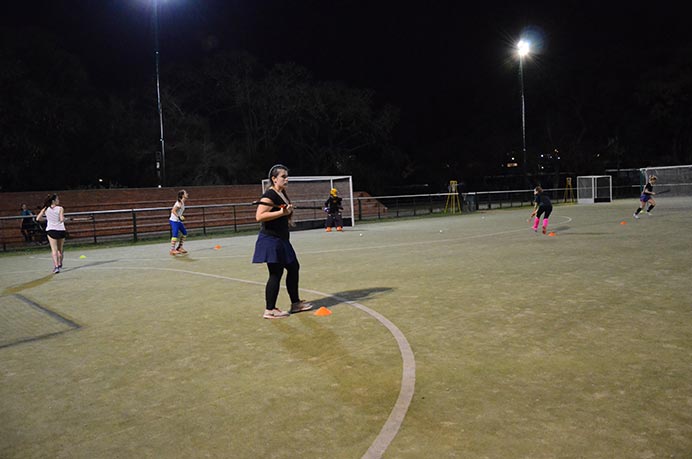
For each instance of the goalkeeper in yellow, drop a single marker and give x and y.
(177, 226)
(333, 208)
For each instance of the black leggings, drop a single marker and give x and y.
(276, 270)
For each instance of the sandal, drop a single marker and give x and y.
(301, 306)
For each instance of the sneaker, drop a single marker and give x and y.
(339, 228)
(648, 213)
(329, 230)
(56, 270)
(544, 229)
(181, 250)
(635, 216)
(275, 313)
(174, 252)
(301, 306)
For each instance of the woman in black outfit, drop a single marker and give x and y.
(273, 246)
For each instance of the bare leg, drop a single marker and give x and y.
(61, 252)
(54, 251)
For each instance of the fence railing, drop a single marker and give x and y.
(129, 224)
(137, 224)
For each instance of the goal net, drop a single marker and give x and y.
(308, 195)
(594, 188)
(676, 180)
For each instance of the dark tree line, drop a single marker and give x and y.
(225, 121)
(229, 117)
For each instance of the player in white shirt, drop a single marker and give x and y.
(177, 227)
(55, 228)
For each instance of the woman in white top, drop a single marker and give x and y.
(55, 228)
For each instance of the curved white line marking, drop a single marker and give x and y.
(408, 377)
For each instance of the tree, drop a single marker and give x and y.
(47, 104)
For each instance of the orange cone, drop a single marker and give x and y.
(217, 247)
(551, 234)
(623, 222)
(323, 311)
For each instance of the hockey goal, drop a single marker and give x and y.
(309, 193)
(594, 188)
(676, 180)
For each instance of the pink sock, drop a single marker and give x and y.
(545, 223)
(535, 224)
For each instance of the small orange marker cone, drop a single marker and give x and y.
(323, 311)
(217, 247)
(551, 234)
(623, 222)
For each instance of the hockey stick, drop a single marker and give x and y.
(260, 203)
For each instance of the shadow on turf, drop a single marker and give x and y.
(185, 258)
(90, 265)
(562, 229)
(27, 285)
(42, 280)
(351, 295)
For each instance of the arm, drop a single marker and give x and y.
(62, 215)
(265, 213)
(41, 215)
(535, 209)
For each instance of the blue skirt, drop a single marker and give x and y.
(271, 249)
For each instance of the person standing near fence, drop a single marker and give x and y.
(542, 206)
(55, 228)
(273, 247)
(178, 231)
(28, 225)
(647, 196)
(333, 207)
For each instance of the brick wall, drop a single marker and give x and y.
(156, 221)
(128, 198)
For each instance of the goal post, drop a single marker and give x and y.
(309, 193)
(594, 188)
(676, 180)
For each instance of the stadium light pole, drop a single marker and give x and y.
(523, 49)
(160, 165)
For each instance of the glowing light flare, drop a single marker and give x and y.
(523, 48)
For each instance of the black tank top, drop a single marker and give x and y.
(277, 227)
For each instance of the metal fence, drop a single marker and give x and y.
(130, 224)
(137, 224)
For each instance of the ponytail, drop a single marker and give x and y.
(49, 200)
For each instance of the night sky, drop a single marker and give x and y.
(443, 63)
(423, 55)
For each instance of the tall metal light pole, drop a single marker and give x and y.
(523, 49)
(160, 165)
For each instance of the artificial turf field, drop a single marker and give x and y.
(463, 336)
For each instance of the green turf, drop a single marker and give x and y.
(525, 345)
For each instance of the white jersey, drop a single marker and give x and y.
(177, 212)
(53, 219)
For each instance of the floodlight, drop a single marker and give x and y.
(523, 48)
